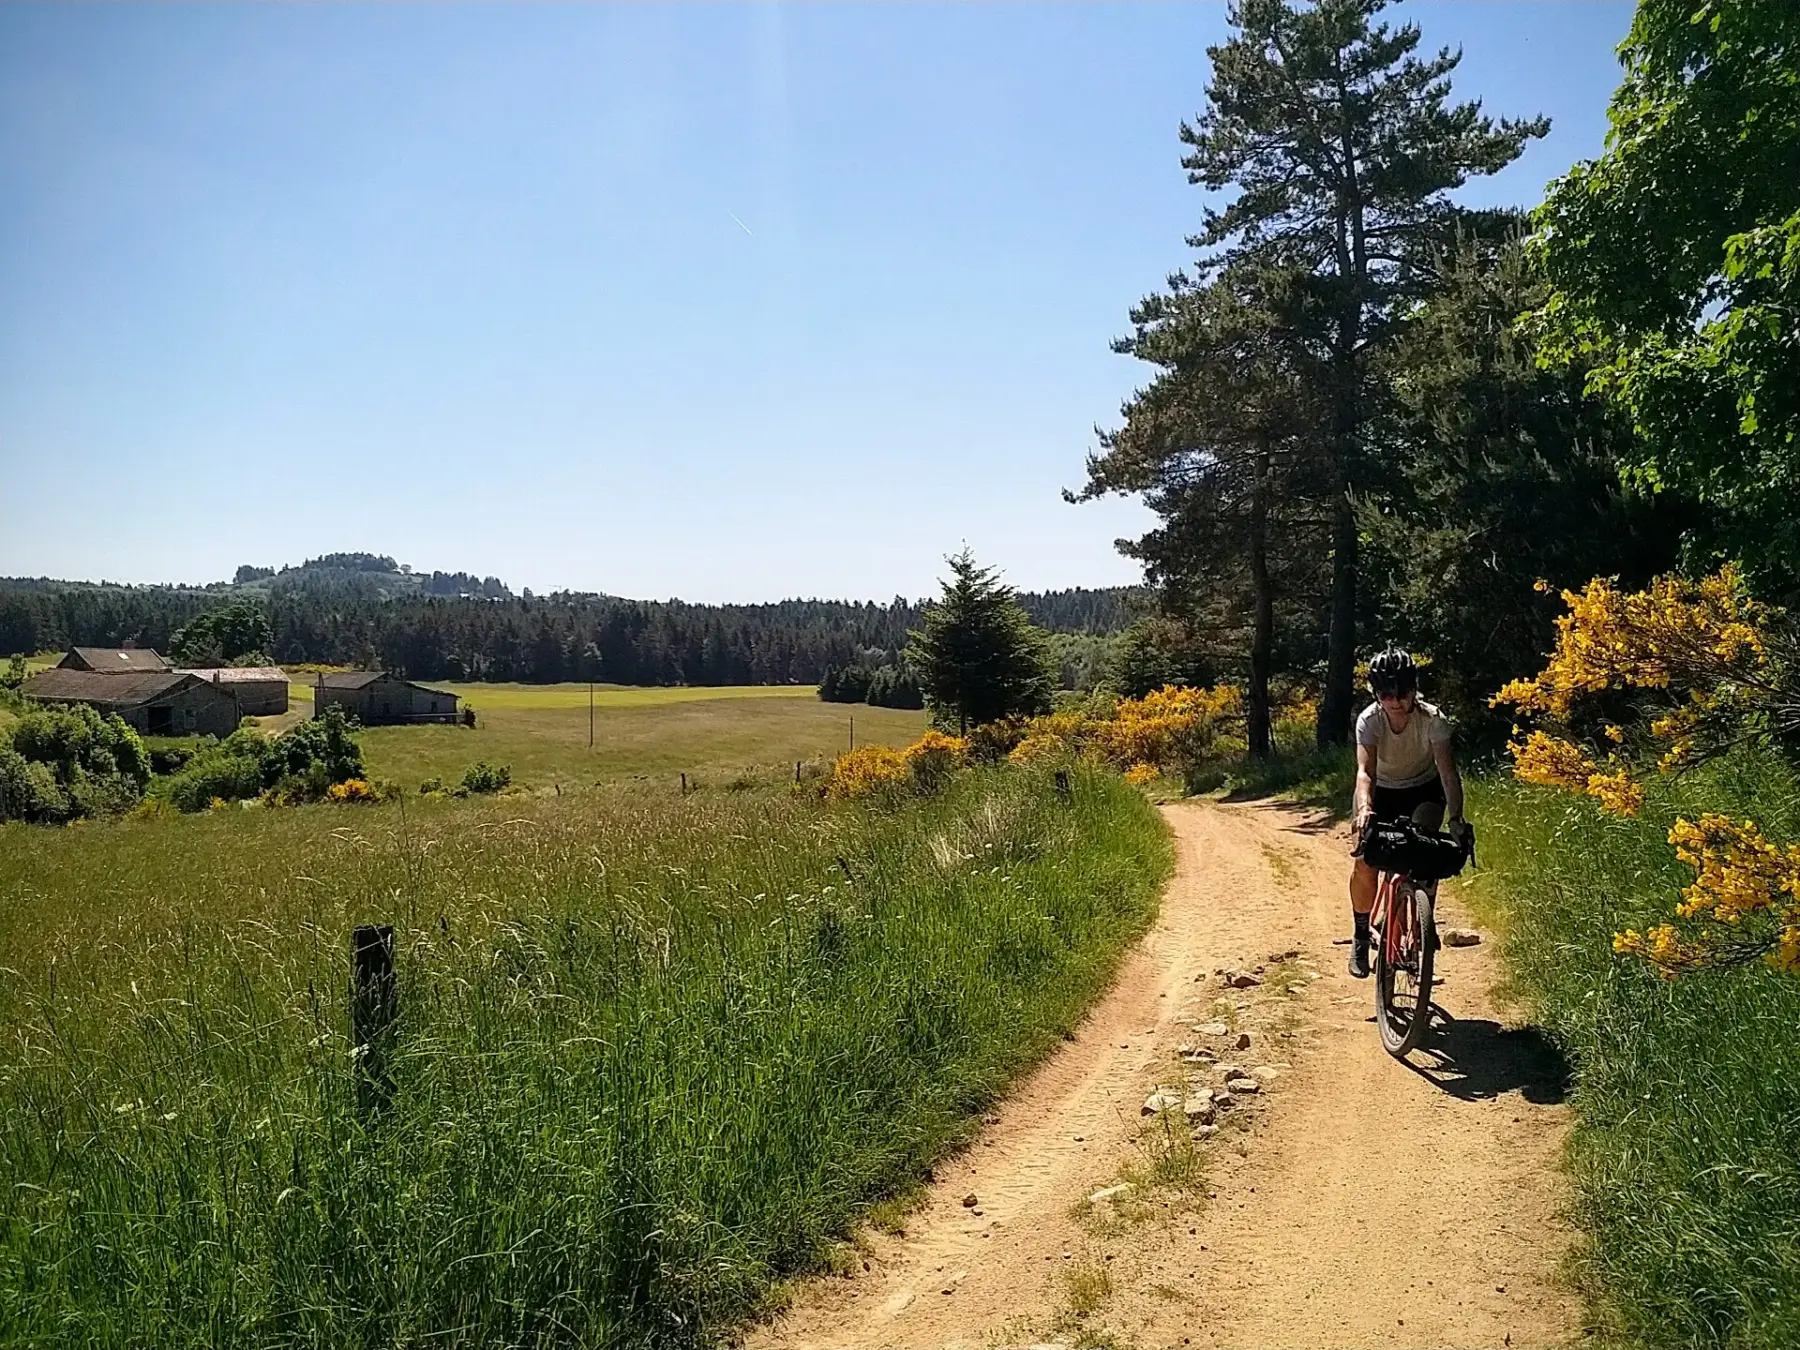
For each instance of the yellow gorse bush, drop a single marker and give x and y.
(1727, 669)
(1545, 759)
(352, 790)
(1673, 632)
(1741, 880)
(866, 770)
(926, 764)
(1157, 730)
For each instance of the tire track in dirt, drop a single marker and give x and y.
(1354, 1202)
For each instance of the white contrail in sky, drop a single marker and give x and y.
(745, 228)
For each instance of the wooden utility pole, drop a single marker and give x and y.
(590, 714)
(853, 731)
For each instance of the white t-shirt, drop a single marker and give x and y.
(1404, 759)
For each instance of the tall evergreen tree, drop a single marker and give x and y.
(977, 656)
(1342, 147)
(1223, 446)
(1503, 473)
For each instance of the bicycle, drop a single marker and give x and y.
(1403, 923)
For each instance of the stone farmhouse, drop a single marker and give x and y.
(261, 691)
(379, 699)
(155, 702)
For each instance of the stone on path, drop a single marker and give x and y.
(1163, 1099)
(1461, 937)
(1243, 1085)
(969, 1201)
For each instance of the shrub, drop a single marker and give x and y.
(29, 791)
(431, 786)
(933, 758)
(352, 791)
(867, 770)
(83, 764)
(215, 774)
(325, 740)
(168, 759)
(484, 777)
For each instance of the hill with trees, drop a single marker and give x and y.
(365, 609)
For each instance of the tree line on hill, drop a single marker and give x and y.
(541, 639)
(1351, 436)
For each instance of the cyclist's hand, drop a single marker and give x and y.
(1459, 829)
(1360, 822)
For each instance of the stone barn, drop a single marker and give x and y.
(156, 703)
(261, 691)
(112, 660)
(379, 699)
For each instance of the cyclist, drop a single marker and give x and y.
(1404, 767)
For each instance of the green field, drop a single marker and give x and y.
(713, 735)
(653, 1052)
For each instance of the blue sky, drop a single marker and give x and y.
(722, 302)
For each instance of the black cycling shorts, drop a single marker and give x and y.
(1391, 803)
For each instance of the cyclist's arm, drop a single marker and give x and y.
(1365, 786)
(1452, 780)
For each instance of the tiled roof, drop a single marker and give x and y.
(119, 659)
(117, 688)
(351, 679)
(237, 674)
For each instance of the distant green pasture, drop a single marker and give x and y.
(711, 733)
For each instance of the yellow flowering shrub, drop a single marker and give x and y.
(352, 791)
(1170, 725)
(866, 770)
(1741, 881)
(1720, 668)
(1142, 775)
(1675, 633)
(934, 757)
(1553, 762)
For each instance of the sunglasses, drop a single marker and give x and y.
(1389, 696)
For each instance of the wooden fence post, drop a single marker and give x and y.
(684, 784)
(1062, 782)
(372, 1010)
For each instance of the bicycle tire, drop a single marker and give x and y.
(1403, 1027)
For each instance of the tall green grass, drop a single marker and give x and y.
(1686, 1151)
(652, 1052)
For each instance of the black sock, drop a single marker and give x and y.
(1362, 927)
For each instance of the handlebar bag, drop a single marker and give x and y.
(1406, 846)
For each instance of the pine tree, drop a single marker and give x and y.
(1224, 447)
(977, 657)
(1342, 147)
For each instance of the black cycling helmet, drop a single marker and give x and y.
(1393, 672)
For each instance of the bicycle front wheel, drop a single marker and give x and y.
(1403, 961)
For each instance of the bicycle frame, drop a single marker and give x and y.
(1404, 936)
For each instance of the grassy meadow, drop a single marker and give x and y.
(712, 734)
(1686, 1153)
(652, 1052)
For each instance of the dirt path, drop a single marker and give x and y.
(1352, 1201)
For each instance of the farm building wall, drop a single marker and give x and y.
(388, 701)
(256, 697)
(190, 709)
